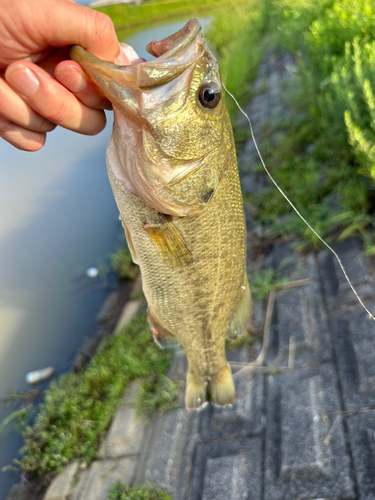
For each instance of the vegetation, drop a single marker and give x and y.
(324, 160)
(263, 282)
(235, 37)
(244, 340)
(122, 491)
(123, 265)
(158, 393)
(337, 43)
(127, 16)
(79, 407)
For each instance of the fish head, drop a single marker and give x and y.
(170, 120)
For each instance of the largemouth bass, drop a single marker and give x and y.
(172, 166)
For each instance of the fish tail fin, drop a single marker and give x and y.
(221, 390)
(196, 391)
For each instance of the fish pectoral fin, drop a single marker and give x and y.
(170, 244)
(130, 245)
(162, 336)
(241, 317)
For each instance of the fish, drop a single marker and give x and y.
(172, 165)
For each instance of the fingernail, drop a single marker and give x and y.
(23, 80)
(71, 78)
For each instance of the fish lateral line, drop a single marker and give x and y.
(371, 316)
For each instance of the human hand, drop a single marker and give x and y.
(39, 86)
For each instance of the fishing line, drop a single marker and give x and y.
(295, 209)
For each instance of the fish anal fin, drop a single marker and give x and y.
(130, 245)
(162, 336)
(241, 318)
(170, 244)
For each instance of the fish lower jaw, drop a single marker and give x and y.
(217, 389)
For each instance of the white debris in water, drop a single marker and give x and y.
(92, 272)
(39, 375)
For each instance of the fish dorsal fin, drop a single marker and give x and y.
(170, 244)
(241, 317)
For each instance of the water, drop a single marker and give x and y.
(57, 218)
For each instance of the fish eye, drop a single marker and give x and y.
(209, 95)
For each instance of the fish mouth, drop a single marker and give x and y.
(173, 44)
(123, 84)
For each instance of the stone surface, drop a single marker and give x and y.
(125, 435)
(129, 311)
(108, 309)
(362, 437)
(357, 268)
(242, 419)
(305, 447)
(231, 469)
(168, 460)
(354, 340)
(226, 477)
(62, 486)
(102, 474)
(131, 393)
(299, 332)
(78, 487)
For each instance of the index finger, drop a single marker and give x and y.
(67, 23)
(84, 26)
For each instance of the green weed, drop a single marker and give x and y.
(235, 37)
(123, 265)
(158, 393)
(334, 42)
(316, 172)
(263, 281)
(127, 16)
(122, 491)
(79, 407)
(243, 341)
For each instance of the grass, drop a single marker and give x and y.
(79, 407)
(127, 16)
(264, 281)
(158, 393)
(122, 491)
(325, 161)
(244, 340)
(235, 37)
(122, 263)
(314, 167)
